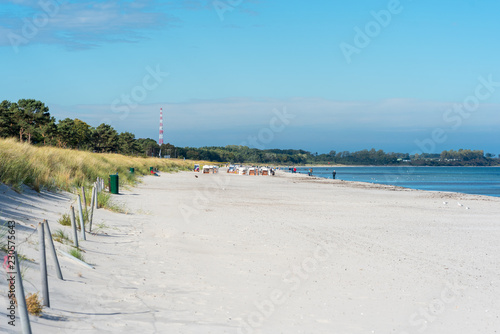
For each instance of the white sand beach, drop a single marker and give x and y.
(226, 253)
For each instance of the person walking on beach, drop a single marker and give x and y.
(311, 172)
(334, 174)
(294, 169)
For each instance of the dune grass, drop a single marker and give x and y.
(75, 252)
(55, 168)
(34, 304)
(60, 236)
(65, 220)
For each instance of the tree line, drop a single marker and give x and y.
(30, 121)
(242, 154)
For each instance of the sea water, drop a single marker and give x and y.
(469, 180)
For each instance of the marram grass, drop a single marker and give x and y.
(75, 252)
(55, 168)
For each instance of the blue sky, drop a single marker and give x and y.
(405, 76)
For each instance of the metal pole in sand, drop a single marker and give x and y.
(95, 194)
(82, 222)
(52, 249)
(43, 266)
(91, 213)
(21, 299)
(84, 199)
(73, 224)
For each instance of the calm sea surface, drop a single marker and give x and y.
(469, 180)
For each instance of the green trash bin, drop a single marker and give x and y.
(132, 170)
(151, 169)
(113, 184)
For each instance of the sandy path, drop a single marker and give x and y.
(241, 254)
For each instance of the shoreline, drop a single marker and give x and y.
(387, 184)
(225, 253)
(382, 186)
